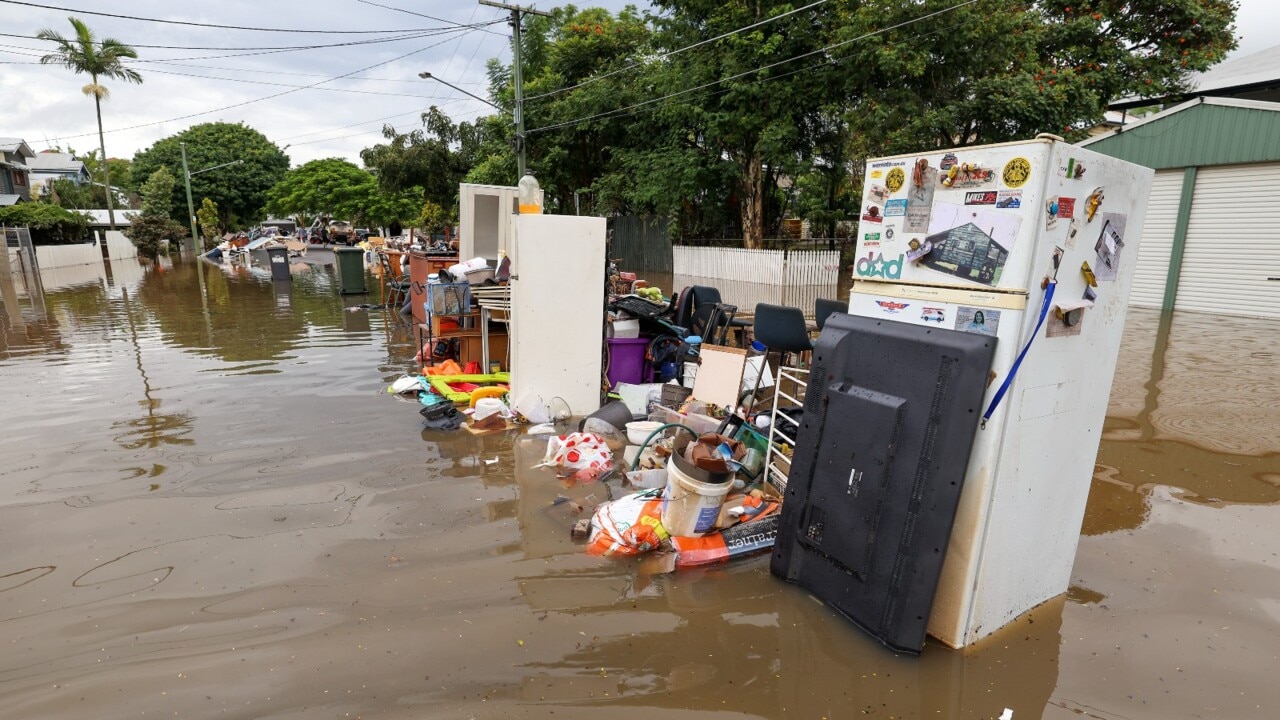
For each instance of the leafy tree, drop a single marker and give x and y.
(49, 224)
(336, 187)
(239, 190)
(85, 54)
(157, 193)
(432, 218)
(209, 221)
(433, 159)
(148, 232)
(997, 71)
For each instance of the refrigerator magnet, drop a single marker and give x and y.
(1073, 228)
(1087, 272)
(1064, 322)
(1051, 213)
(1093, 202)
(916, 250)
(1090, 294)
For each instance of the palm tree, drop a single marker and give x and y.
(100, 59)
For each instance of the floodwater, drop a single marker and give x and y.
(211, 508)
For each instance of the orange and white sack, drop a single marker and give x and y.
(630, 525)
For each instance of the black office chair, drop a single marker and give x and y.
(694, 298)
(826, 308)
(783, 330)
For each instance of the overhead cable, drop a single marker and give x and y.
(214, 25)
(594, 78)
(752, 71)
(264, 98)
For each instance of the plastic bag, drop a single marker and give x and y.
(582, 452)
(630, 525)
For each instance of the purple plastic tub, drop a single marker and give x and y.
(626, 360)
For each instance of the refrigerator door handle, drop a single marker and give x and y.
(1008, 380)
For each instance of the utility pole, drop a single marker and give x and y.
(516, 12)
(196, 247)
(191, 208)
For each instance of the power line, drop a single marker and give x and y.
(806, 68)
(594, 78)
(356, 124)
(300, 87)
(267, 97)
(213, 25)
(374, 41)
(421, 15)
(754, 70)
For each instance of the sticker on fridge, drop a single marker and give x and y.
(983, 321)
(878, 193)
(981, 197)
(924, 180)
(970, 243)
(872, 214)
(892, 307)
(1109, 246)
(895, 208)
(933, 314)
(1009, 199)
(1016, 172)
(967, 176)
(1066, 207)
(1073, 170)
(875, 266)
(896, 178)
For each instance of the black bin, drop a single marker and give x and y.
(279, 257)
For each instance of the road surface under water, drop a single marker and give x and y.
(210, 508)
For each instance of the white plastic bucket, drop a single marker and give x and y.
(690, 507)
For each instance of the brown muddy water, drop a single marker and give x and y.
(210, 508)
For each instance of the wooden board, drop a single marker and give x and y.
(719, 378)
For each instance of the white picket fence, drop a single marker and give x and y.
(718, 263)
(746, 277)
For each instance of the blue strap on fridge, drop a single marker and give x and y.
(1008, 380)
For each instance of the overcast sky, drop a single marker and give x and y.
(44, 104)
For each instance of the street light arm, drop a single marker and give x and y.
(215, 167)
(428, 76)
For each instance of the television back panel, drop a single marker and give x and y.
(880, 459)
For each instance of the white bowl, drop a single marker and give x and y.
(639, 430)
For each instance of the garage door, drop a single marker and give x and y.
(1157, 240)
(1232, 260)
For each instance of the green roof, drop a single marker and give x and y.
(1205, 131)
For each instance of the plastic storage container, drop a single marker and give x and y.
(626, 360)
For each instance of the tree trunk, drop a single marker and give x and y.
(106, 171)
(751, 204)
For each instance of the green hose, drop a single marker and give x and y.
(636, 463)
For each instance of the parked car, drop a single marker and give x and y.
(340, 231)
(363, 234)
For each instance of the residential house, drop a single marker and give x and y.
(53, 165)
(15, 182)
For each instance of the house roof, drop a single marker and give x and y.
(18, 145)
(1199, 132)
(7, 200)
(1254, 73)
(55, 162)
(100, 217)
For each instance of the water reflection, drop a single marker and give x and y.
(1180, 416)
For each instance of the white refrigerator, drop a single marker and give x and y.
(973, 239)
